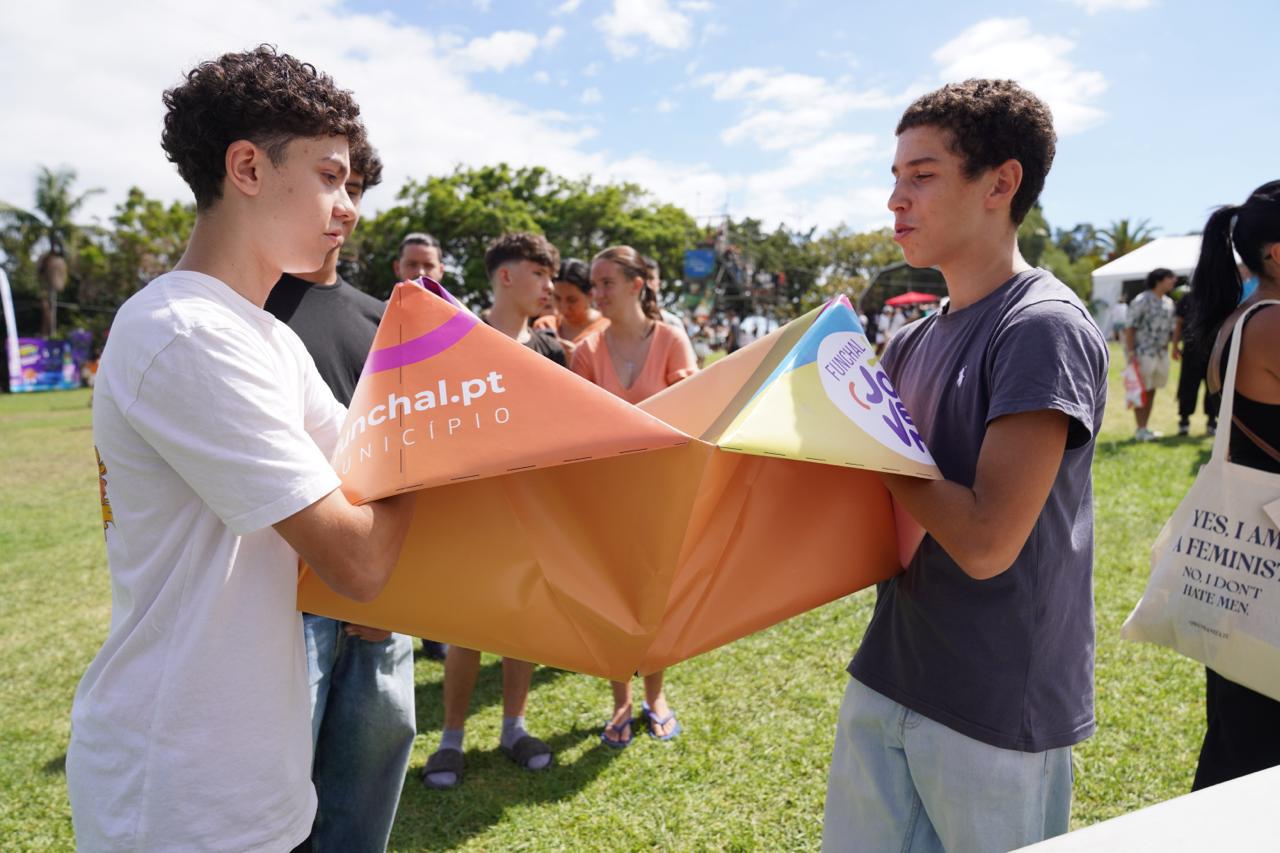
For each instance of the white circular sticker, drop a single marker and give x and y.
(862, 391)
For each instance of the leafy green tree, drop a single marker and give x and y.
(472, 206)
(48, 228)
(1075, 274)
(1034, 235)
(18, 243)
(1079, 242)
(147, 238)
(1123, 236)
(851, 260)
(1071, 255)
(767, 270)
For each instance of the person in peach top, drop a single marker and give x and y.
(635, 357)
(575, 319)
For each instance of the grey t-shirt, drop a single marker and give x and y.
(1009, 660)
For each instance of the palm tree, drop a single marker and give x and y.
(51, 226)
(1124, 236)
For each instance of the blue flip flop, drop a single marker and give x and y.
(620, 743)
(650, 721)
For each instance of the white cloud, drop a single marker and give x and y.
(843, 57)
(568, 7)
(552, 37)
(95, 105)
(695, 5)
(665, 105)
(592, 69)
(590, 96)
(814, 185)
(1093, 7)
(425, 114)
(784, 109)
(496, 52)
(482, 5)
(827, 158)
(1009, 48)
(829, 163)
(632, 22)
(712, 30)
(541, 77)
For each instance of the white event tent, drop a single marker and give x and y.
(1176, 253)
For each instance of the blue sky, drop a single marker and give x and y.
(779, 110)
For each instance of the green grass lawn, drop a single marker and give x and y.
(759, 715)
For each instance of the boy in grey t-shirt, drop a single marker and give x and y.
(975, 676)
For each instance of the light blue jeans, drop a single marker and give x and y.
(362, 728)
(902, 782)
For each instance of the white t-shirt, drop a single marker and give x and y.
(191, 728)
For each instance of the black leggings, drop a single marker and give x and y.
(1190, 378)
(1243, 735)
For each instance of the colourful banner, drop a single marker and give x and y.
(45, 365)
(558, 524)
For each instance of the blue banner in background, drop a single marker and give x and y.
(699, 263)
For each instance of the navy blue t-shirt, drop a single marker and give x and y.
(1008, 660)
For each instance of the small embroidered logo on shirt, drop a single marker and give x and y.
(960, 377)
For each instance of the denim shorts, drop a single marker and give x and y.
(902, 782)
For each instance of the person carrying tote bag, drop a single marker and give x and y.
(1214, 592)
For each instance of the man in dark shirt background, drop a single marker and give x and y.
(1195, 367)
(361, 679)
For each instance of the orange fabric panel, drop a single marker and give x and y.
(559, 524)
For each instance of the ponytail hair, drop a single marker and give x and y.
(649, 303)
(1215, 283)
(1216, 287)
(633, 266)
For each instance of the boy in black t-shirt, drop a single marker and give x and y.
(521, 268)
(361, 679)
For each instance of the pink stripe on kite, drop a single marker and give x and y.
(422, 348)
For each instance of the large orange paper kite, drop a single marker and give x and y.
(559, 524)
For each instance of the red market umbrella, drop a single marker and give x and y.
(911, 297)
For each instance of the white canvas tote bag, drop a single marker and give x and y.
(1214, 592)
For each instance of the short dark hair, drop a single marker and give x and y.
(366, 163)
(1157, 275)
(575, 272)
(991, 121)
(266, 97)
(520, 246)
(417, 238)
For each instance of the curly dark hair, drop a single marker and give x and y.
(366, 163)
(266, 97)
(521, 246)
(992, 121)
